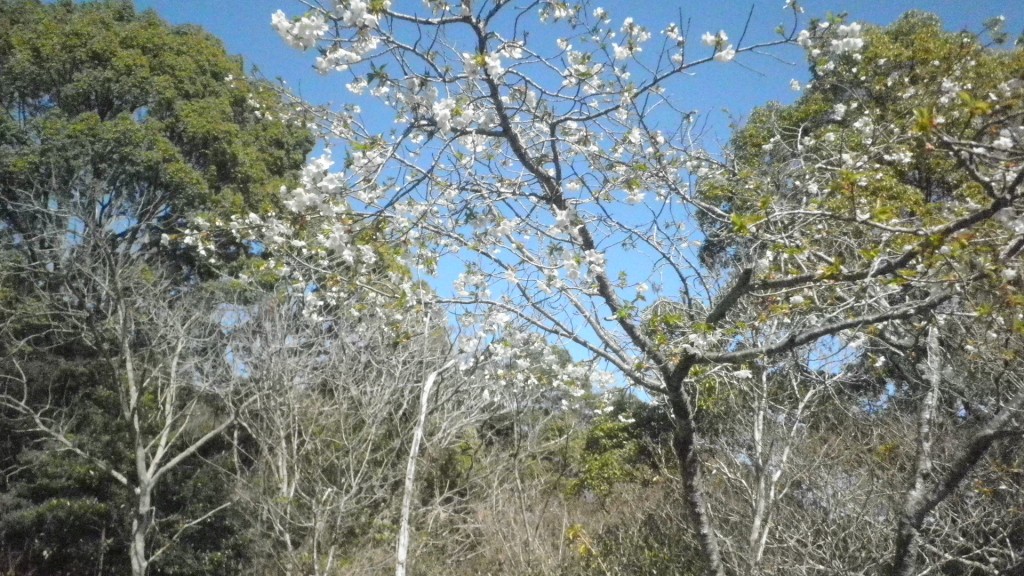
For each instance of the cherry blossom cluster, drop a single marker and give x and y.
(302, 33)
(541, 191)
(723, 52)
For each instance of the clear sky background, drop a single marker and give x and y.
(244, 27)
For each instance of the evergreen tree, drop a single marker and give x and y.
(116, 128)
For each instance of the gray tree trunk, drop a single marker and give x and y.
(402, 551)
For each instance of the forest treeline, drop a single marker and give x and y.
(209, 365)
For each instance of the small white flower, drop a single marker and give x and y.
(493, 64)
(672, 32)
(726, 54)
(563, 218)
(280, 22)
(513, 50)
(849, 39)
(471, 64)
(1004, 142)
(302, 33)
(714, 40)
(847, 45)
(851, 30)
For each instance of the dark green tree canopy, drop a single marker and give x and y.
(100, 92)
(115, 125)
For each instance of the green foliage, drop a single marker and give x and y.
(62, 516)
(623, 446)
(97, 89)
(606, 459)
(220, 544)
(912, 80)
(132, 122)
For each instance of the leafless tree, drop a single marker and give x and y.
(91, 275)
(340, 409)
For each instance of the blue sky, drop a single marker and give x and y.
(244, 27)
(739, 86)
(752, 80)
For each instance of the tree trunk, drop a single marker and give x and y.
(925, 494)
(140, 525)
(402, 551)
(684, 443)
